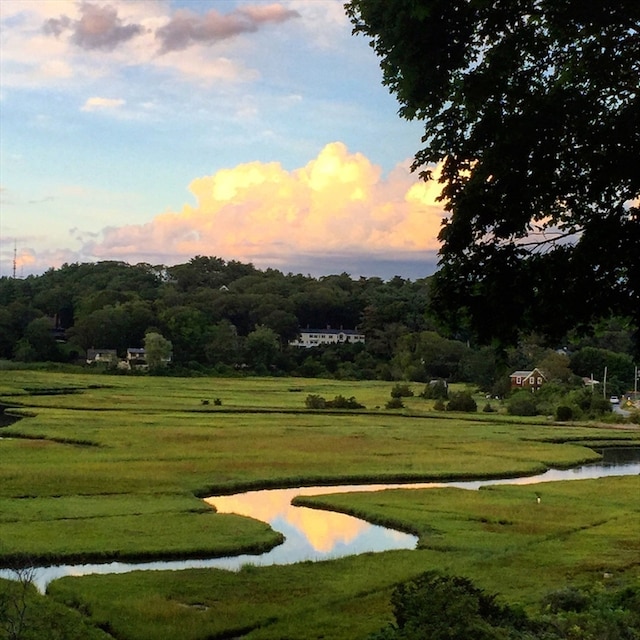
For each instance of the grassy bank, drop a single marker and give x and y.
(580, 533)
(110, 467)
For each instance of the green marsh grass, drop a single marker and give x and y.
(581, 532)
(115, 470)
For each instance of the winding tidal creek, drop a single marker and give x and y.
(315, 535)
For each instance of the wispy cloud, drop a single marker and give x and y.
(100, 26)
(47, 41)
(187, 27)
(97, 103)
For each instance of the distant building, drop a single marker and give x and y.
(105, 356)
(530, 380)
(136, 357)
(315, 337)
(590, 382)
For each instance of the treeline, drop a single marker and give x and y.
(222, 316)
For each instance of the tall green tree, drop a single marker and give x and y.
(533, 109)
(223, 346)
(158, 350)
(38, 343)
(262, 346)
(187, 328)
(105, 328)
(426, 355)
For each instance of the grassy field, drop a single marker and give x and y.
(109, 467)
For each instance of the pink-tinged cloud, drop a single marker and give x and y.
(339, 204)
(187, 27)
(99, 27)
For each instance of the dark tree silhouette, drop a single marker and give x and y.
(533, 109)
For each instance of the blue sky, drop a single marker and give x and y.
(153, 131)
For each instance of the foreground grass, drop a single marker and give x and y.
(27, 615)
(110, 467)
(500, 537)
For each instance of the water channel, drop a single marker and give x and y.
(312, 534)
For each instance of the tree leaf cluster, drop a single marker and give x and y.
(532, 109)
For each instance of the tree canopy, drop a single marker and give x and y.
(245, 325)
(533, 109)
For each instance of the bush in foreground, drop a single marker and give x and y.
(442, 607)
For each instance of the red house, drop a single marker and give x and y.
(531, 380)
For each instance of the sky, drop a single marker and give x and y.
(156, 130)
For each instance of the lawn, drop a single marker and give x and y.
(109, 467)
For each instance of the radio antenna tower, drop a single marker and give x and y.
(15, 254)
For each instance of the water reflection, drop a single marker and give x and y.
(312, 534)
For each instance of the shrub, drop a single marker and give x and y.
(564, 413)
(488, 408)
(340, 402)
(439, 405)
(436, 389)
(522, 403)
(401, 391)
(599, 406)
(462, 401)
(315, 402)
(395, 403)
(449, 607)
(566, 599)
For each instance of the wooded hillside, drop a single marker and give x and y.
(225, 316)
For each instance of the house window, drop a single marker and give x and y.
(518, 380)
(532, 380)
(539, 380)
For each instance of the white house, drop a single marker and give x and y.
(107, 356)
(314, 337)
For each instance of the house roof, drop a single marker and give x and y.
(525, 374)
(350, 332)
(91, 353)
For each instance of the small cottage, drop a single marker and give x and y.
(530, 380)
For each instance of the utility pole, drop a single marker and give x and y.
(604, 384)
(15, 256)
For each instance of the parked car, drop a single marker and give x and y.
(614, 400)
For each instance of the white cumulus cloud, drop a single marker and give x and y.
(337, 204)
